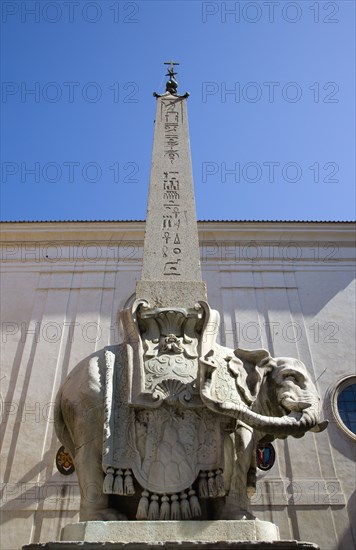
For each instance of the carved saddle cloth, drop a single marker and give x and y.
(166, 439)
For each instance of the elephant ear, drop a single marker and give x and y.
(248, 366)
(254, 356)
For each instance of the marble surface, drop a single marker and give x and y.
(171, 247)
(170, 531)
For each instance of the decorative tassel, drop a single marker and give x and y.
(153, 511)
(194, 504)
(118, 488)
(128, 484)
(184, 506)
(251, 482)
(211, 485)
(108, 481)
(203, 485)
(175, 508)
(143, 505)
(165, 512)
(219, 482)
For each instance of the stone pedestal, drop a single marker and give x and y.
(172, 535)
(150, 532)
(221, 545)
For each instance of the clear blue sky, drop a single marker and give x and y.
(280, 146)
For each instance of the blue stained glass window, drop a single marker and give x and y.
(346, 404)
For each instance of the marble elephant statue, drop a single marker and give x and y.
(264, 397)
(268, 397)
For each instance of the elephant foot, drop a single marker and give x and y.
(236, 514)
(111, 515)
(107, 514)
(251, 482)
(244, 514)
(232, 508)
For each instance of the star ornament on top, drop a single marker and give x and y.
(171, 84)
(171, 64)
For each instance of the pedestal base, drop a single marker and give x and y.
(172, 535)
(230, 545)
(170, 531)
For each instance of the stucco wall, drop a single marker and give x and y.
(286, 286)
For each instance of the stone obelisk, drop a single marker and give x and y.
(171, 274)
(168, 474)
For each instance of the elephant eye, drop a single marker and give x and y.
(294, 377)
(289, 376)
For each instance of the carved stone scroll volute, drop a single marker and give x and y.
(170, 341)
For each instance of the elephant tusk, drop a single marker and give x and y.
(292, 405)
(320, 427)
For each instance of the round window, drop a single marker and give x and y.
(344, 405)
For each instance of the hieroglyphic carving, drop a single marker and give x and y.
(171, 237)
(171, 221)
(172, 116)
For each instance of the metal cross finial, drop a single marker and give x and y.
(171, 68)
(172, 84)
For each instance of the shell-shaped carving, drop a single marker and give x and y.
(172, 390)
(171, 321)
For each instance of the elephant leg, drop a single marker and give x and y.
(243, 472)
(251, 474)
(94, 504)
(239, 453)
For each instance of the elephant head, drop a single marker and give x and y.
(273, 395)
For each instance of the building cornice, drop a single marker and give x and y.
(101, 231)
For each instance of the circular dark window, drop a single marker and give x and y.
(346, 404)
(343, 402)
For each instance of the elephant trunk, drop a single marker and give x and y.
(304, 417)
(295, 423)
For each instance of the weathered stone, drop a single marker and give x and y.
(177, 545)
(169, 294)
(177, 417)
(156, 428)
(154, 532)
(171, 261)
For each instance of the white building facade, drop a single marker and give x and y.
(284, 286)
